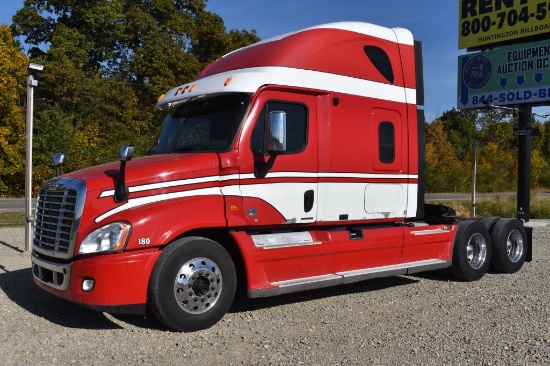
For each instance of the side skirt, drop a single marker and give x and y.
(340, 278)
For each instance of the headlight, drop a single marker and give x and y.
(109, 238)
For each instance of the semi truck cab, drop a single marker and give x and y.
(292, 164)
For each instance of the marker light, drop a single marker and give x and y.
(228, 81)
(88, 285)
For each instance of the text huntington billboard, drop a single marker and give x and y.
(508, 75)
(483, 22)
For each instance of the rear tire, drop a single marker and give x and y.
(192, 284)
(472, 251)
(509, 245)
(490, 222)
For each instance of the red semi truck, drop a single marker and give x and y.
(292, 164)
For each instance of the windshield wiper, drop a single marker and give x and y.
(185, 148)
(192, 148)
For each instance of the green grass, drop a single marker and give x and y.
(503, 207)
(12, 218)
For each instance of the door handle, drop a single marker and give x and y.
(309, 198)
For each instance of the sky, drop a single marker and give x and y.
(433, 22)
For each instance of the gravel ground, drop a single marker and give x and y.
(426, 319)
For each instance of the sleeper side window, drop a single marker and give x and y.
(296, 127)
(381, 61)
(386, 142)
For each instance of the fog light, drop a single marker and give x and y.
(88, 285)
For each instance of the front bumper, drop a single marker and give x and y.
(120, 279)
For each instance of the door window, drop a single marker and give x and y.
(386, 142)
(296, 127)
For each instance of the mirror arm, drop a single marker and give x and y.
(261, 167)
(121, 191)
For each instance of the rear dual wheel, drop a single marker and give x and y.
(509, 245)
(505, 248)
(472, 251)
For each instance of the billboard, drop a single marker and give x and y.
(505, 76)
(483, 22)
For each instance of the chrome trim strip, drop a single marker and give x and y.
(385, 271)
(287, 245)
(283, 240)
(58, 270)
(428, 266)
(300, 281)
(429, 232)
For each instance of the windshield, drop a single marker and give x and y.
(205, 124)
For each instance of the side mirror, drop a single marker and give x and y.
(126, 153)
(58, 160)
(276, 142)
(276, 137)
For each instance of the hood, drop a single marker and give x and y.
(150, 169)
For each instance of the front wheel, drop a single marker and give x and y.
(472, 251)
(192, 284)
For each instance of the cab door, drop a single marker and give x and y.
(387, 196)
(280, 187)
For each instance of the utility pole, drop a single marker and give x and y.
(31, 84)
(524, 162)
(474, 176)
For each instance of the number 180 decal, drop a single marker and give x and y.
(144, 241)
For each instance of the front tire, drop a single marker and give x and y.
(509, 245)
(192, 284)
(472, 251)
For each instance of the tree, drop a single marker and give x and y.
(151, 44)
(106, 63)
(545, 143)
(460, 128)
(444, 172)
(496, 169)
(452, 136)
(13, 67)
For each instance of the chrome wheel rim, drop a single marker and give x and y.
(514, 245)
(476, 251)
(198, 285)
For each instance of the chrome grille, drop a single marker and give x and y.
(54, 219)
(57, 217)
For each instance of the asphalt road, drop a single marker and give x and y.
(14, 204)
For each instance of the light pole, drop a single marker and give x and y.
(31, 83)
(474, 174)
